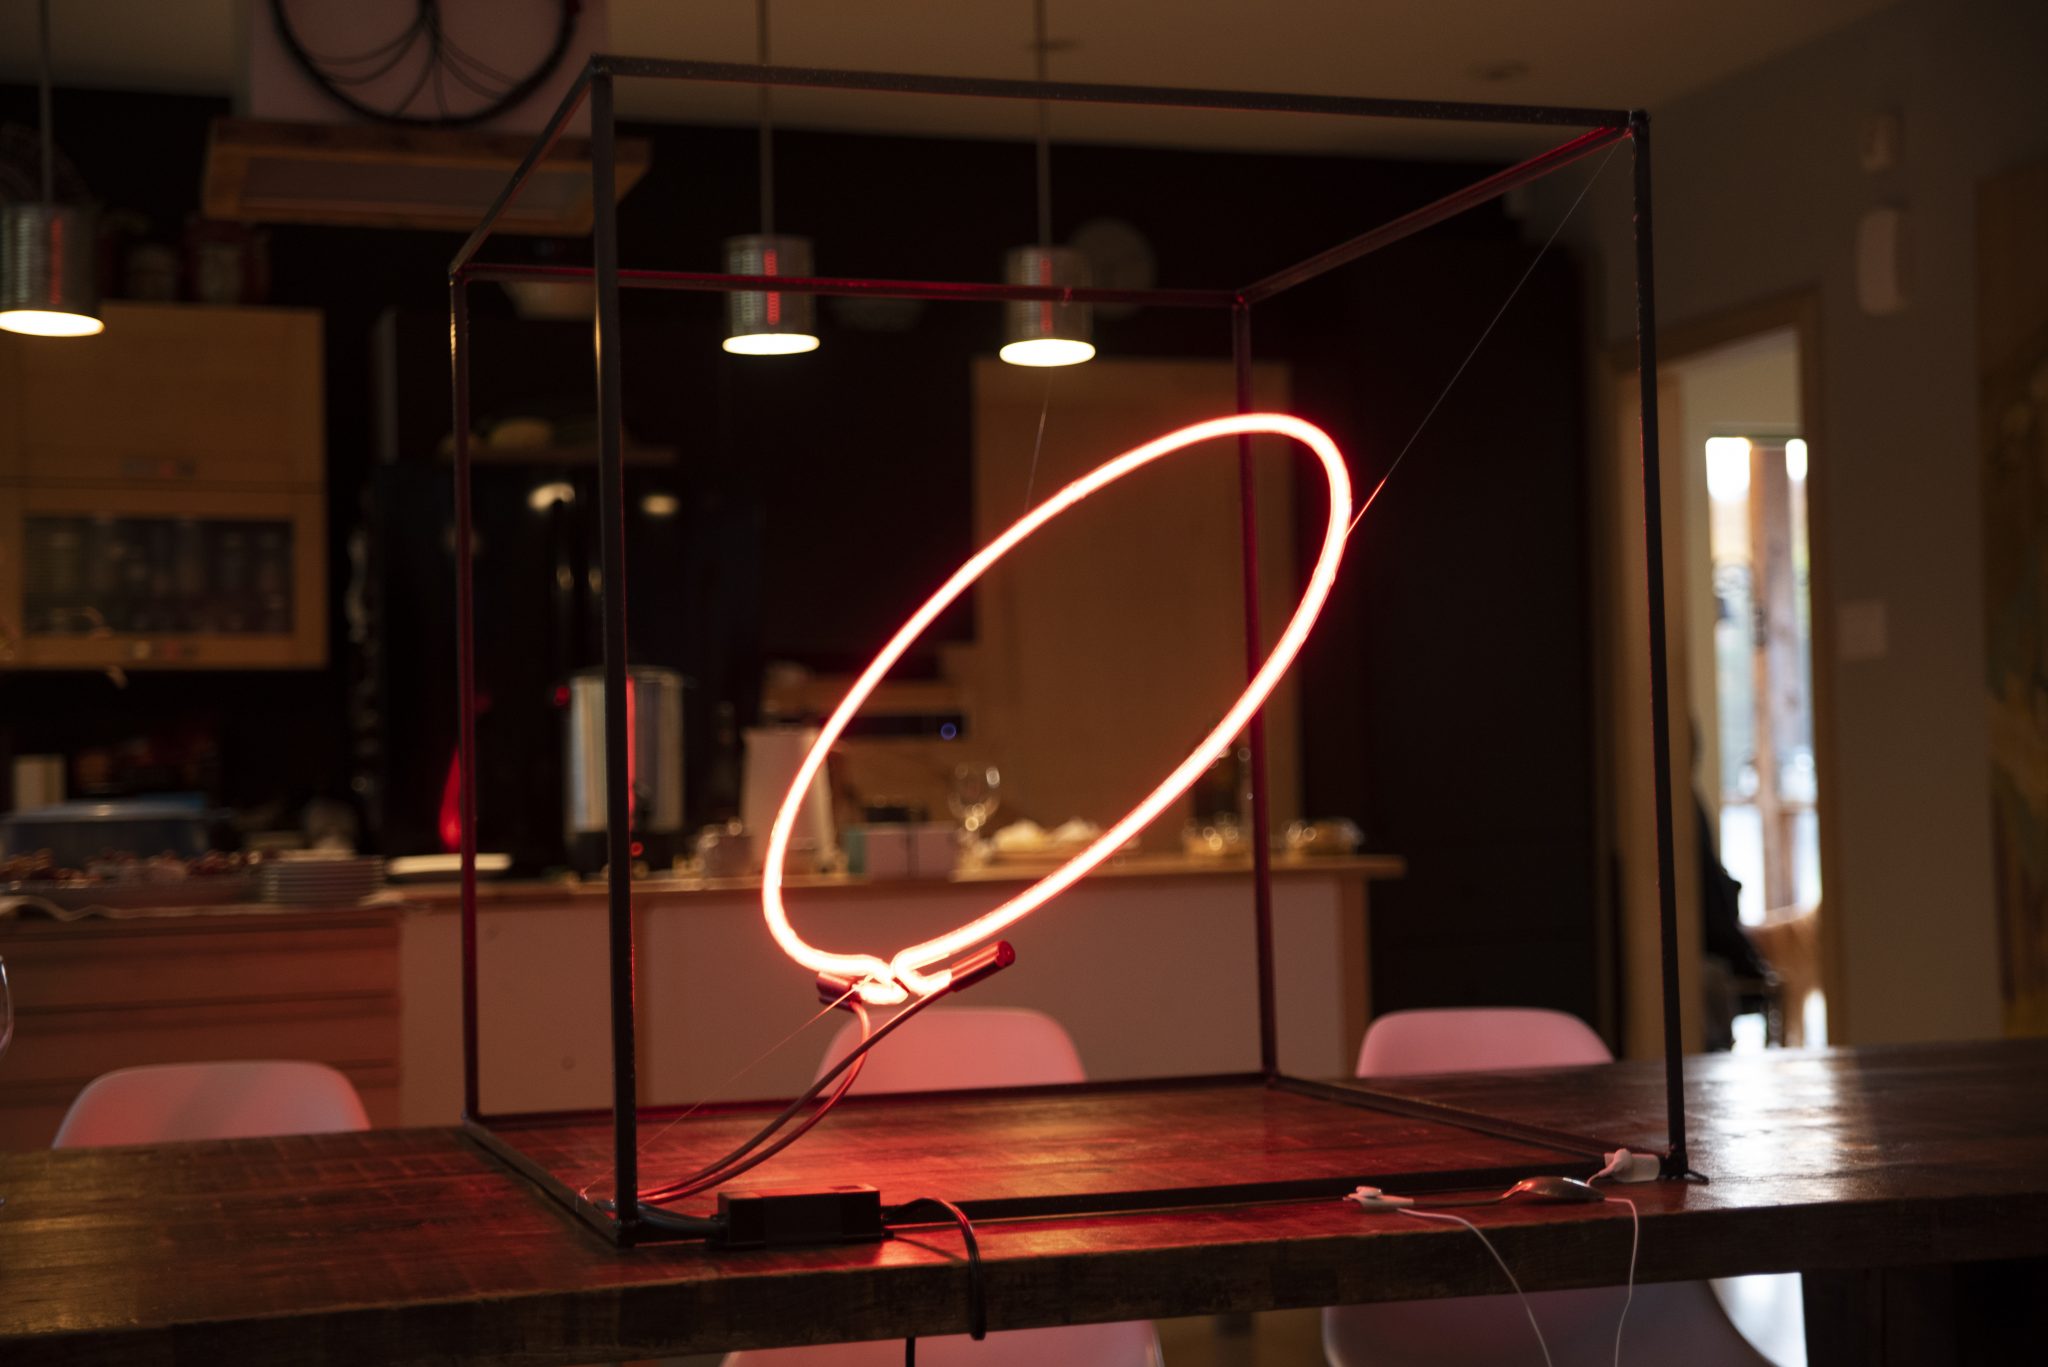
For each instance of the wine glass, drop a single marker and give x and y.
(975, 796)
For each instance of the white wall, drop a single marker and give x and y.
(1758, 191)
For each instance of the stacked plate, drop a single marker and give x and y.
(312, 878)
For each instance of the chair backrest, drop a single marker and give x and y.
(1476, 1039)
(240, 1100)
(951, 1048)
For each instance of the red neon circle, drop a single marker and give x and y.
(885, 981)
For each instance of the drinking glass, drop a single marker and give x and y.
(975, 796)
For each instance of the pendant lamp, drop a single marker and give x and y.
(48, 276)
(767, 323)
(1045, 332)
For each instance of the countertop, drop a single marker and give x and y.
(508, 893)
(1149, 867)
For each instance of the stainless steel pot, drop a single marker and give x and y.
(654, 729)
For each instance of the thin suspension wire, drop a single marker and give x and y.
(43, 101)
(1040, 63)
(767, 138)
(1509, 1272)
(1038, 442)
(1488, 332)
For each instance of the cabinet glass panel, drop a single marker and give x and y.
(86, 575)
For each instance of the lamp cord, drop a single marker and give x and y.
(977, 1293)
(1505, 1269)
(1038, 48)
(1635, 1243)
(712, 1174)
(43, 101)
(767, 139)
(739, 1160)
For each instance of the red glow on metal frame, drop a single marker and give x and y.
(632, 756)
(886, 981)
(450, 823)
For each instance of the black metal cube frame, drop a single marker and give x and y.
(595, 85)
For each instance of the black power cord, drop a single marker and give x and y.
(963, 975)
(739, 1160)
(977, 1292)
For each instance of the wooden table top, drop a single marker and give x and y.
(410, 1245)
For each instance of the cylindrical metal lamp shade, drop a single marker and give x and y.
(1046, 332)
(48, 277)
(759, 323)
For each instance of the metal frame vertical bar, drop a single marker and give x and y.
(1675, 1163)
(465, 677)
(1254, 656)
(611, 503)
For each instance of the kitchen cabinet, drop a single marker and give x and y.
(162, 492)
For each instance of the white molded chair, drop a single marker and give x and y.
(953, 1048)
(238, 1100)
(1675, 1324)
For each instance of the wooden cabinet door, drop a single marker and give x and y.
(168, 394)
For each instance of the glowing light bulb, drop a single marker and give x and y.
(50, 323)
(1047, 351)
(770, 343)
(883, 982)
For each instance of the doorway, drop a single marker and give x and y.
(1747, 572)
(1748, 382)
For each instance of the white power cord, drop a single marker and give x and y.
(1635, 1243)
(1459, 1219)
(1372, 1198)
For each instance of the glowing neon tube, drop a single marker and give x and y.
(886, 981)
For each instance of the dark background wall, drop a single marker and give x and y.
(1445, 696)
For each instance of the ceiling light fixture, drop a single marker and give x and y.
(48, 286)
(758, 322)
(1045, 332)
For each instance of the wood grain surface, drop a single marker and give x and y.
(412, 1246)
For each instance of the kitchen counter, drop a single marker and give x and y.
(1150, 867)
(1148, 963)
